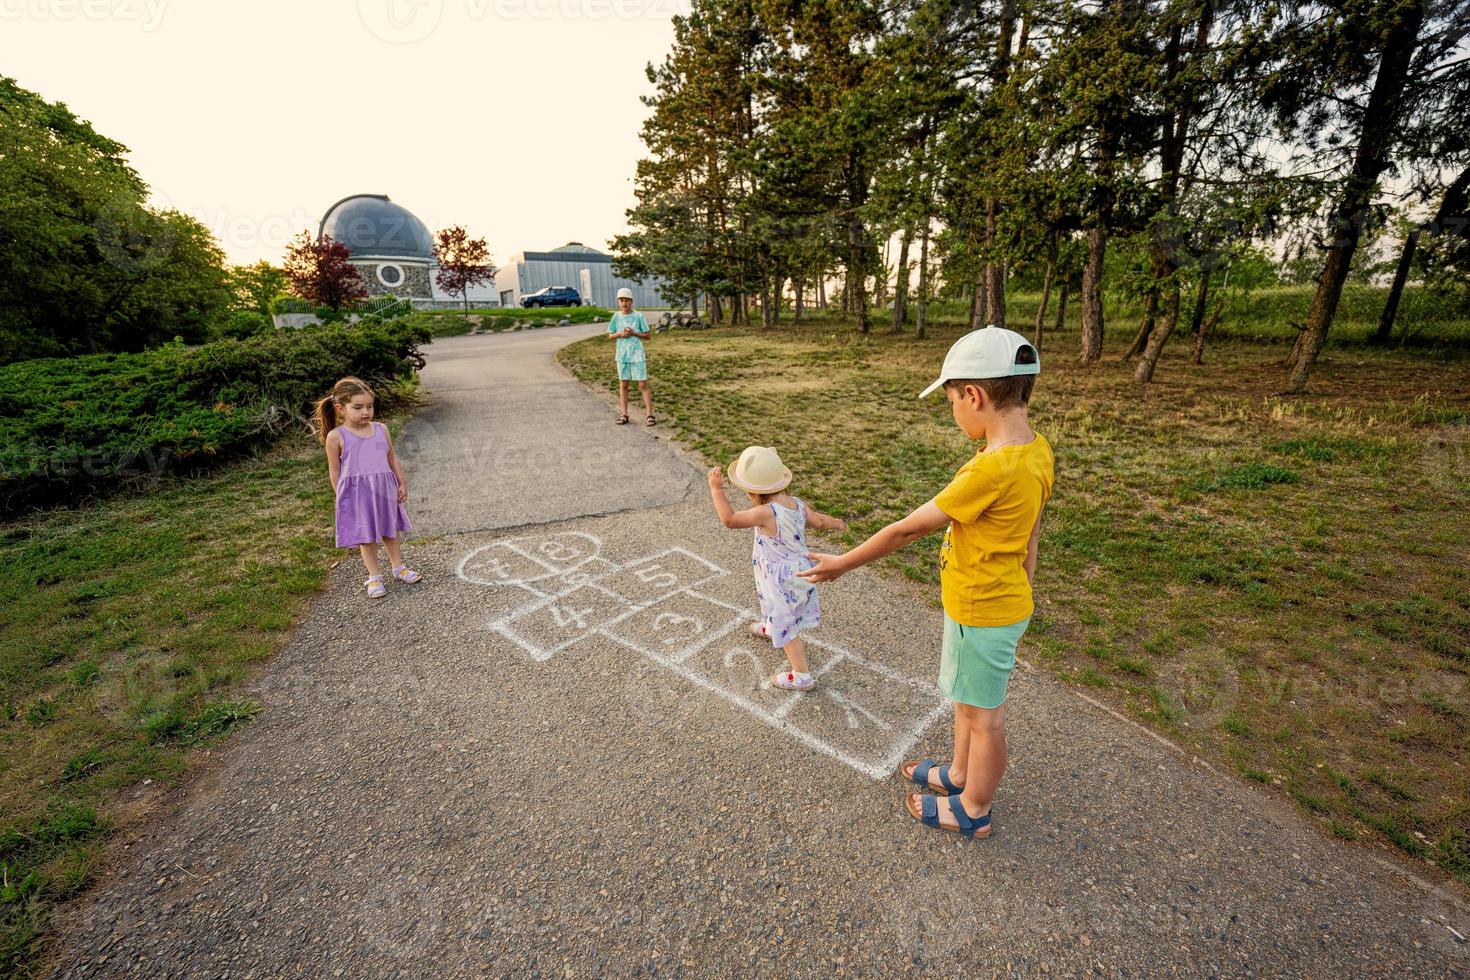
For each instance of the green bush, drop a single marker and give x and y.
(79, 425)
(244, 323)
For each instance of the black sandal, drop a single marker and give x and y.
(651, 421)
(622, 420)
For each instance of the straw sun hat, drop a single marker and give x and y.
(759, 470)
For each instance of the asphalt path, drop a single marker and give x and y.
(555, 756)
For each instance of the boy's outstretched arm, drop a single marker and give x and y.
(925, 520)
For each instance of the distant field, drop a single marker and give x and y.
(1269, 314)
(1278, 583)
(455, 323)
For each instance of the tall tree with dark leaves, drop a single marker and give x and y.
(320, 272)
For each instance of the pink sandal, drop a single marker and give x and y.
(375, 587)
(405, 574)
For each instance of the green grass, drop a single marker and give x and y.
(125, 630)
(1278, 583)
(456, 323)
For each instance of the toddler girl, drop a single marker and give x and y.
(788, 604)
(367, 479)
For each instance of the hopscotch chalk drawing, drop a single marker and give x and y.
(862, 713)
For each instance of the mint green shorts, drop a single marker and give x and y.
(976, 662)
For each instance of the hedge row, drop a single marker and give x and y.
(72, 426)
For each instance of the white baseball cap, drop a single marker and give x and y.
(989, 352)
(625, 293)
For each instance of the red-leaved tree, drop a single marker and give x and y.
(463, 262)
(320, 273)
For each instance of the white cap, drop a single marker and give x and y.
(989, 352)
(625, 293)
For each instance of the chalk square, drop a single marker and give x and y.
(862, 709)
(501, 565)
(590, 571)
(674, 628)
(561, 552)
(555, 624)
(647, 580)
(743, 668)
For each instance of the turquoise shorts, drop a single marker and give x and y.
(976, 662)
(631, 370)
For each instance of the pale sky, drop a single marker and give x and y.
(518, 119)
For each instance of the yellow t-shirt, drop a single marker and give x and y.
(992, 502)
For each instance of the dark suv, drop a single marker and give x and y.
(552, 296)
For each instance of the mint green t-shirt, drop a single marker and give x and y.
(629, 348)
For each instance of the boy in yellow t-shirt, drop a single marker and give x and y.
(992, 514)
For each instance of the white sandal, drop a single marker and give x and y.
(375, 587)
(405, 574)
(759, 629)
(787, 680)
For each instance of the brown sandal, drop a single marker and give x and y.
(651, 421)
(622, 420)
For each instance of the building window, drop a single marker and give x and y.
(390, 275)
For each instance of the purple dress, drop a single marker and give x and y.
(367, 491)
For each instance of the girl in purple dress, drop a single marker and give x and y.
(367, 479)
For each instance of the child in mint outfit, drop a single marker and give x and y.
(991, 511)
(628, 328)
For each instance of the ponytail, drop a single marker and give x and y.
(325, 416)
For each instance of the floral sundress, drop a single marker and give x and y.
(788, 604)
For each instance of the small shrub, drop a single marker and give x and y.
(218, 717)
(1251, 476)
(82, 764)
(245, 323)
(84, 673)
(41, 713)
(79, 425)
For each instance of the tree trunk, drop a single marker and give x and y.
(1380, 120)
(880, 281)
(921, 313)
(799, 285)
(901, 284)
(1061, 323)
(715, 308)
(995, 274)
(1092, 300)
(1146, 325)
(996, 266)
(1197, 320)
(1159, 336)
(1051, 268)
(857, 276)
(1391, 306)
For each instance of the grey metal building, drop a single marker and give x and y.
(584, 269)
